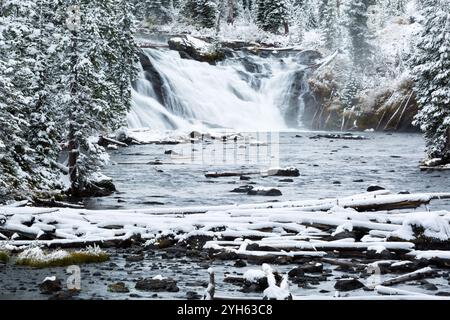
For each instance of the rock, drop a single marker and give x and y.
(197, 242)
(309, 267)
(245, 178)
(287, 180)
(157, 285)
(337, 182)
(64, 295)
(240, 264)
(134, 257)
(284, 172)
(348, 285)
(50, 285)
(192, 295)
(224, 255)
(196, 49)
(375, 188)
(429, 286)
(118, 287)
(265, 192)
(243, 189)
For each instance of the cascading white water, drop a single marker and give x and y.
(199, 95)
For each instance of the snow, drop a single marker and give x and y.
(377, 248)
(431, 254)
(433, 224)
(37, 254)
(254, 275)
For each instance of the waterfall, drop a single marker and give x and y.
(245, 93)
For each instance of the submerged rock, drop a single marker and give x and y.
(118, 287)
(157, 285)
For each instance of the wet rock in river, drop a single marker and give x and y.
(284, 172)
(50, 285)
(192, 295)
(118, 287)
(240, 264)
(309, 267)
(375, 188)
(243, 189)
(265, 192)
(134, 257)
(348, 285)
(157, 285)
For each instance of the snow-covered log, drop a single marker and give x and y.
(419, 274)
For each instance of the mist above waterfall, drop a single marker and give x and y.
(245, 93)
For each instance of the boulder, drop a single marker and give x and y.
(375, 188)
(196, 49)
(50, 285)
(348, 285)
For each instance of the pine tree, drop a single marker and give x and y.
(206, 13)
(272, 15)
(431, 72)
(329, 24)
(356, 21)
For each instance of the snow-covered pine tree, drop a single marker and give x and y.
(430, 65)
(124, 67)
(272, 15)
(329, 24)
(11, 136)
(356, 21)
(260, 12)
(26, 42)
(87, 86)
(206, 13)
(393, 7)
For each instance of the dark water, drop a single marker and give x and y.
(329, 168)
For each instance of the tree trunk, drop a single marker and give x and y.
(73, 144)
(230, 19)
(447, 147)
(286, 27)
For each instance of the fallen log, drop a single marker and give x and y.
(391, 291)
(104, 141)
(229, 174)
(57, 204)
(389, 206)
(416, 275)
(343, 263)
